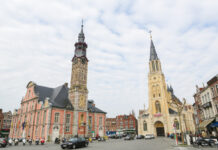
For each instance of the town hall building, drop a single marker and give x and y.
(62, 111)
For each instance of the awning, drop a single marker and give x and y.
(215, 124)
(205, 123)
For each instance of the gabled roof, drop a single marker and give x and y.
(58, 97)
(93, 109)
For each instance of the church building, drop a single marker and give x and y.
(161, 117)
(62, 111)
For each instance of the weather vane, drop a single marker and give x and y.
(82, 23)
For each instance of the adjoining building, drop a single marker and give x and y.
(122, 124)
(62, 111)
(1, 121)
(206, 101)
(161, 117)
(6, 124)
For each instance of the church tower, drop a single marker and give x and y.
(157, 91)
(78, 88)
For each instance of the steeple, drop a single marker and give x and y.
(81, 37)
(154, 62)
(153, 53)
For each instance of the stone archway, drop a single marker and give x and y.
(159, 128)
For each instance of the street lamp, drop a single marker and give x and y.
(179, 107)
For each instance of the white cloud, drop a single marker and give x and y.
(37, 43)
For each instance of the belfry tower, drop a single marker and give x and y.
(78, 92)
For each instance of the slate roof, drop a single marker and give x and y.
(93, 109)
(58, 97)
(153, 53)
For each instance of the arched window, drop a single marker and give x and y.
(157, 66)
(158, 108)
(176, 124)
(145, 126)
(153, 66)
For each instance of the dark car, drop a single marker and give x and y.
(3, 142)
(75, 143)
(140, 137)
(204, 142)
(129, 137)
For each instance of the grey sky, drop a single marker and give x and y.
(37, 44)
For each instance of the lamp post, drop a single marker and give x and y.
(179, 107)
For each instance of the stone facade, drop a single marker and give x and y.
(206, 106)
(7, 120)
(161, 117)
(60, 112)
(1, 119)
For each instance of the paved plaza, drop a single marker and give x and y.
(115, 144)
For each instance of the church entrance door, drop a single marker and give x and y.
(159, 128)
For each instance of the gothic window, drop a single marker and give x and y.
(157, 66)
(153, 66)
(176, 124)
(153, 95)
(159, 94)
(145, 126)
(158, 108)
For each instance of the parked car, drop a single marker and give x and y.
(75, 143)
(204, 142)
(140, 137)
(149, 136)
(101, 139)
(3, 142)
(129, 137)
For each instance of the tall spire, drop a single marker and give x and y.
(81, 37)
(153, 53)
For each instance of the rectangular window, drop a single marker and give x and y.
(56, 117)
(37, 121)
(90, 122)
(213, 92)
(67, 118)
(208, 97)
(202, 99)
(217, 89)
(67, 129)
(44, 117)
(100, 121)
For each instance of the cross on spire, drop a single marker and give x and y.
(150, 34)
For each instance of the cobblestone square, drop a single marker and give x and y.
(115, 144)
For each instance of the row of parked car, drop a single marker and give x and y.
(131, 136)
